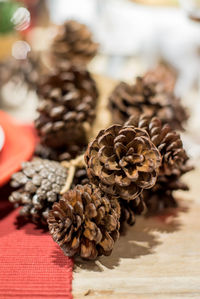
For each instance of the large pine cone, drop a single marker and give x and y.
(20, 71)
(168, 142)
(68, 107)
(128, 100)
(122, 161)
(73, 42)
(85, 222)
(39, 183)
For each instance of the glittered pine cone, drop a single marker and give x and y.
(39, 182)
(67, 107)
(122, 161)
(74, 42)
(19, 71)
(168, 142)
(85, 222)
(142, 97)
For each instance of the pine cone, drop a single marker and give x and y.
(161, 196)
(122, 161)
(68, 107)
(85, 222)
(168, 142)
(21, 70)
(40, 183)
(174, 162)
(163, 77)
(73, 42)
(129, 209)
(128, 100)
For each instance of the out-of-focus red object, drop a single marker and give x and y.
(19, 146)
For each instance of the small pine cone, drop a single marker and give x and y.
(163, 77)
(131, 208)
(168, 142)
(26, 71)
(128, 100)
(73, 42)
(68, 106)
(161, 195)
(122, 161)
(85, 222)
(40, 183)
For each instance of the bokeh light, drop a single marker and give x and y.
(20, 50)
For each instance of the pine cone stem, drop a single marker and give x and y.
(71, 166)
(69, 180)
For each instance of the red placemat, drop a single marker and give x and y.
(31, 264)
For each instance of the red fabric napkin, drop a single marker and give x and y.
(31, 264)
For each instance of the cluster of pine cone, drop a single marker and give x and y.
(84, 191)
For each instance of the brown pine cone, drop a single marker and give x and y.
(163, 77)
(122, 161)
(68, 107)
(19, 71)
(133, 100)
(161, 196)
(174, 162)
(39, 182)
(131, 208)
(74, 42)
(85, 222)
(168, 142)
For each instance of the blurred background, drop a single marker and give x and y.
(134, 36)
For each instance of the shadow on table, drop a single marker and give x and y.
(137, 241)
(29, 227)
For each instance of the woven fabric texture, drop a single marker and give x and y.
(31, 264)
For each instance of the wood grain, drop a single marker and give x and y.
(158, 257)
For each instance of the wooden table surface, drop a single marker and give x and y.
(157, 258)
